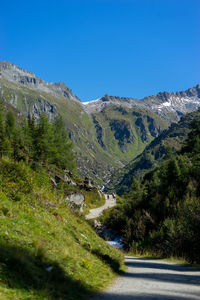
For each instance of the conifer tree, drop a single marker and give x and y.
(10, 129)
(43, 140)
(63, 148)
(3, 143)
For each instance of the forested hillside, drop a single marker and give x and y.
(166, 144)
(161, 214)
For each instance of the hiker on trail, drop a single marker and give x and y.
(113, 195)
(107, 197)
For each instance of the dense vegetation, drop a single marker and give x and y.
(169, 141)
(161, 214)
(42, 142)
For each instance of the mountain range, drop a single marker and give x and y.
(107, 133)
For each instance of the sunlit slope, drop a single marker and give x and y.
(46, 252)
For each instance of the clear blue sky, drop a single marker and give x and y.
(120, 47)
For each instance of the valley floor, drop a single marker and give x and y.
(154, 280)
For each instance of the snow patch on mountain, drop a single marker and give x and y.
(89, 102)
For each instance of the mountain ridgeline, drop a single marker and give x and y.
(107, 133)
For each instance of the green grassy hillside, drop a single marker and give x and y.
(125, 132)
(47, 252)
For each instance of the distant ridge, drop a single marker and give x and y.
(169, 106)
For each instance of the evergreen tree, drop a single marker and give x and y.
(10, 125)
(43, 140)
(63, 148)
(3, 142)
(29, 133)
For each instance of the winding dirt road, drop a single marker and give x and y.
(96, 212)
(148, 279)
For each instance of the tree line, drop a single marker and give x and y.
(31, 141)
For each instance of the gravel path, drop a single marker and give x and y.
(96, 212)
(154, 280)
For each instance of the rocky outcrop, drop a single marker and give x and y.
(99, 132)
(171, 106)
(76, 200)
(122, 132)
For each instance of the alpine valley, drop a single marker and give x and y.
(107, 133)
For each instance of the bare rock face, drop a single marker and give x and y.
(15, 74)
(169, 106)
(77, 200)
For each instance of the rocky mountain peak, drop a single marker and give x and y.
(105, 98)
(17, 75)
(169, 106)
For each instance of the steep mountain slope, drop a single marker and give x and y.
(107, 133)
(167, 143)
(124, 132)
(32, 96)
(104, 141)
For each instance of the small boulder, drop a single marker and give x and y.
(77, 200)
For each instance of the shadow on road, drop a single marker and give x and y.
(177, 278)
(143, 263)
(113, 296)
(173, 278)
(155, 280)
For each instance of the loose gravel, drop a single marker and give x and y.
(154, 280)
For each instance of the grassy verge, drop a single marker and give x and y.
(47, 252)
